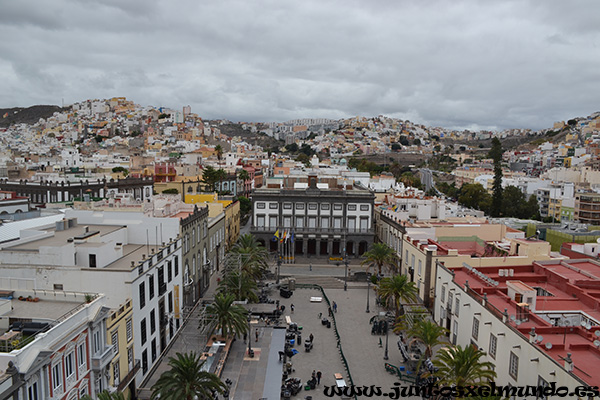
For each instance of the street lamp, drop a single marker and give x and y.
(368, 290)
(278, 265)
(346, 274)
(387, 330)
(250, 352)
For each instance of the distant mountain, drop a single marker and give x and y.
(29, 115)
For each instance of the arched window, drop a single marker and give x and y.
(190, 190)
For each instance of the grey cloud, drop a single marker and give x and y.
(454, 64)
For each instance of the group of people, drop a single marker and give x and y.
(316, 377)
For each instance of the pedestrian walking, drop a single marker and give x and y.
(310, 267)
(314, 374)
(319, 377)
(292, 307)
(311, 337)
(256, 335)
(334, 306)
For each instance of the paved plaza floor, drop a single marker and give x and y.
(364, 352)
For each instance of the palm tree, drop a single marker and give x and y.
(224, 315)
(244, 288)
(428, 333)
(220, 174)
(186, 380)
(253, 256)
(459, 366)
(219, 151)
(395, 289)
(243, 176)
(380, 254)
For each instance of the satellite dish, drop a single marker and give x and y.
(512, 317)
(598, 240)
(583, 323)
(597, 333)
(597, 343)
(588, 326)
(548, 345)
(518, 322)
(539, 338)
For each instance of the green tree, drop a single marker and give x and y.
(242, 285)
(254, 257)
(410, 179)
(228, 317)
(473, 195)
(403, 140)
(304, 159)
(396, 289)
(220, 176)
(171, 191)
(186, 380)
(496, 154)
(428, 333)
(291, 148)
(417, 142)
(306, 149)
(124, 171)
(396, 146)
(533, 208)
(245, 205)
(219, 151)
(379, 256)
(459, 366)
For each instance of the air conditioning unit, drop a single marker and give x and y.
(500, 272)
(511, 272)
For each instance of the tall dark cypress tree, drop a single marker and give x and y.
(496, 154)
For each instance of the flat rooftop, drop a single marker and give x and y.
(565, 288)
(60, 237)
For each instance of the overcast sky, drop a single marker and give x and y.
(456, 64)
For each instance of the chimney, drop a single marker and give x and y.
(532, 335)
(312, 181)
(568, 363)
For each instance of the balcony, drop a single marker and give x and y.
(306, 230)
(99, 361)
(129, 377)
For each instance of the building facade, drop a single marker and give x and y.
(321, 221)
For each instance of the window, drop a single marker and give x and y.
(457, 308)
(58, 286)
(454, 332)
(312, 206)
(197, 234)
(176, 264)
(412, 261)
(57, 376)
(170, 302)
(351, 207)
(443, 295)
(324, 222)
(337, 223)
(324, 206)
(81, 356)
(169, 271)
(260, 206)
(116, 374)
(364, 207)
(273, 221)
(542, 383)
(493, 344)
(130, 358)
(364, 224)
(152, 321)
(151, 287)
(193, 236)
(352, 224)
(475, 331)
(114, 340)
(70, 364)
(129, 329)
(513, 366)
(450, 302)
(299, 222)
(92, 260)
(97, 343)
(299, 206)
(287, 206)
(161, 281)
(287, 222)
(419, 268)
(312, 222)
(142, 295)
(337, 206)
(406, 258)
(153, 348)
(145, 361)
(32, 392)
(143, 330)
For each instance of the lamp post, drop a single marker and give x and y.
(387, 329)
(368, 290)
(346, 274)
(250, 338)
(278, 263)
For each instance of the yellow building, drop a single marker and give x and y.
(232, 222)
(123, 366)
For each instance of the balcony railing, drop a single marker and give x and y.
(129, 377)
(305, 230)
(101, 360)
